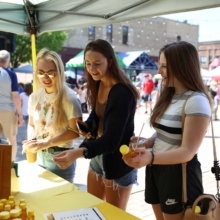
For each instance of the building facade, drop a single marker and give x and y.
(145, 34)
(208, 51)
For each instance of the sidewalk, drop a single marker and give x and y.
(136, 204)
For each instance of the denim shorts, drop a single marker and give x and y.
(45, 160)
(96, 165)
(25, 117)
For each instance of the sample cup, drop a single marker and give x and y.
(139, 144)
(31, 156)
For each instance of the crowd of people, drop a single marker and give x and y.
(53, 111)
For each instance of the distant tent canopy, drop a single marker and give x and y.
(78, 61)
(205, 74)
(215, 73)
(137, 60)
(215, 63)
(24, 69)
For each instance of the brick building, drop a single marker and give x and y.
(208, 51)
(144, 34)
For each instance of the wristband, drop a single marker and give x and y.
(152, 160)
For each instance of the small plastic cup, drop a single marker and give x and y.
(139, 144)
(31, 156)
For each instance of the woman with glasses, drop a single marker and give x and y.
(53, 110)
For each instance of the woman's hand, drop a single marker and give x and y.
(143, 158)
(34, 145)
(83, 129)
(66, 158)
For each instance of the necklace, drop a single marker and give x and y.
(179, 97)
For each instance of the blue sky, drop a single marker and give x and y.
(207, 19)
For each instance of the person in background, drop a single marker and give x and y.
(53, 111)
(138, 84)
(147, 88)
(10, 103)
(171, 144)
(20, 88)
(82, 94)
(111, 121)
(24, 101)
(216, 102)
(213, 88)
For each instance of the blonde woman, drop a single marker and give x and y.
(53, 109)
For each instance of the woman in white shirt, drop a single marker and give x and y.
(24, 101)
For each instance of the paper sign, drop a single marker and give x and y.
(81, 214)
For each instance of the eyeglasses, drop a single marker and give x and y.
(49, 74)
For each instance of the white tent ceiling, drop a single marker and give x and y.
(24, 17)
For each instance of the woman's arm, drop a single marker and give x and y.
(195, 128)
(118, 124)
(67, 136)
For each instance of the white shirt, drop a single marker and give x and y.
(169, 129)
(24, 103)
(41, 108)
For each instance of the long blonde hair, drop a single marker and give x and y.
(182, 62)
(60, 119)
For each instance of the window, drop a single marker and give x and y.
(125, 35)
(109, 33)
(203, 59)
(91, 33)
(7, 41)
(178, 38)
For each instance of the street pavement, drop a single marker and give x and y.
(136, 204)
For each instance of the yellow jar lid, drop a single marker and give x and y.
(4, 201)
(15, 212)
(31, 213)
(124, 149)
(22, 205)
(1, 206)
(22, 201)
(7, 207)
(4, 215)
(11, 198)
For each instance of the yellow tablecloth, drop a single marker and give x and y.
(45, 192)
(38, 183)
(77, 200)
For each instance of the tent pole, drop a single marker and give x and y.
(33, 48)
(31, 14)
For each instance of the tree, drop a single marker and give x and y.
(51, 40)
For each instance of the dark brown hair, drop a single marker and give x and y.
(182, 62)
(28, 88)
(116, 72)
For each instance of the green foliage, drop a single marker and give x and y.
(23, 53)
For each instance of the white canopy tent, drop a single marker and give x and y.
(205, 74)
(39, 16)
(215, 73)
(34, 17)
